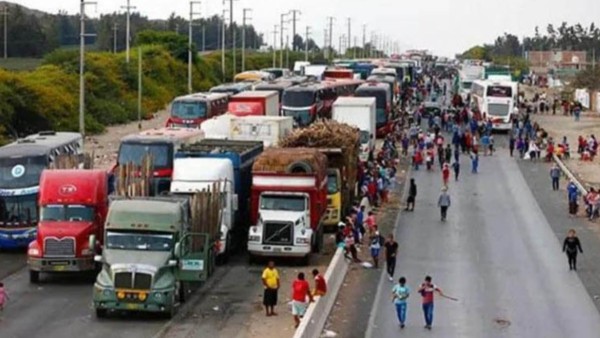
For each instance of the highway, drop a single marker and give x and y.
(496, 253)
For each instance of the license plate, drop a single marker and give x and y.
(276, 249)
(58, 263)
(131, 306)
(59, 268)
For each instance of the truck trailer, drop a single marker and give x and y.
(267, 129)
(255, 102)
(358, 112)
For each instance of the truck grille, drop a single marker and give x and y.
(278, 233)
(54, 247)
(137, 281)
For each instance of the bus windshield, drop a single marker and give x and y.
(499, 91)
(18, 209)
(131, 152)
(299, 98)
(21, 172)
(71, 213)
(379, 95)
(188, 109)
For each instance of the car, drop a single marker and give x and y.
(431, 107)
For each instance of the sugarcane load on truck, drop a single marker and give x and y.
(340, 143)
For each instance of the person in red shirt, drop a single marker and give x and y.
(300, 290)
(320, 284)
(446, 174)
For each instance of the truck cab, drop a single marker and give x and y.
(153, 247)
(73, 206)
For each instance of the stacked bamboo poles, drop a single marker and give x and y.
(73, 161)
(134, 180)
(206, 212)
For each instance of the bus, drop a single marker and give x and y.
(337, 88)
(21, 164)
(495, 100)
(253, 76)
(232, 88)
(278, 86)
(191, 110)
(390, 80)
(304, 102)
(161, 144)
(383, 104)
(338, 73)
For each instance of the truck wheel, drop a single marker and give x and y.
(251, 259)
(101, 313)
(224, 257)
(34, 276)
(170, 313)
(182, 292)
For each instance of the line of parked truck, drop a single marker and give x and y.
(227, 173)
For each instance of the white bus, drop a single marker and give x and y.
(495, 100)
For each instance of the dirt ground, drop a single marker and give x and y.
(558, 126)
(105, 146)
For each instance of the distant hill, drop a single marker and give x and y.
(26, 10)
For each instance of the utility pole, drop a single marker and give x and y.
(275, 31)
(306, 43)
(232, 34)
(340, 44)
(82, 36)
(245, 10)
(140, 88)
(330, 31)
(294, 20)
(354, 48)
(115, 31)
(287, 51)
(128, 28)
(223, 45)
(349, 35)
(364, 42)
(191, 42)
(325, 49)
(282, 28)
(5, 15)
(204, 36)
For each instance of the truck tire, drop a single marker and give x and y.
(182, 292)
(224, 257)
(34, 276)
(101, 313)
(251, 259)
(299, 167)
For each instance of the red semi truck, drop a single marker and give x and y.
(73, 206)
(260, 102)
(288, 203)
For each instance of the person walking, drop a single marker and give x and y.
(400, 294)
(300, 291)
(444, 203)
(445, 174)
(555, 175)
(376, 242)
(412, 195)
(570, 247)
(320, 284)
(391, 250)
(3, 297)
(511, 144)
(456, 168)
(427, 291)
(572, 193)
(270, 279)
(474, 163)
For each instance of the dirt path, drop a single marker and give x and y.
(105, 146)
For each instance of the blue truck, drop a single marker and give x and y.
(200, 164)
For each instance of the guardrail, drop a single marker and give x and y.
(569, 174)
(317, 313)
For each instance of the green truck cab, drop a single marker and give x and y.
(153, 249)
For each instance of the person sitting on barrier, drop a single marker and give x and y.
(592, 200)
(320, 284)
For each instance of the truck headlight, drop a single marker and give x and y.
(158, 295)
(121, 295)
(254, 238)
(33, 252)
(142, 296)
(106, 292)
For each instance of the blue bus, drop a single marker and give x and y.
(21, 164)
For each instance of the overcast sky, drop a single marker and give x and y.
(442, 26)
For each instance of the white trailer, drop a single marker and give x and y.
(217, 127)
(268, 129)
(358, 112)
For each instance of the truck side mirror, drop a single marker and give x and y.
(92, 243)
(98, 258)
(235, 202)
(177, 251)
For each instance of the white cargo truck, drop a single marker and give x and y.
(268, 129)
(217, 127)
(358, 112)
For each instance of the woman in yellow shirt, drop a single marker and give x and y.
(270, 279)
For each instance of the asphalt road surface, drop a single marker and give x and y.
(496, 253)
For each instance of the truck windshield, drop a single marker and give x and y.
(139, 241)
(71, 213)
(281, 202)
(134, 152)
(21, 172)
(188, 109)
(332, 184)
(298, 99)
(18, 209)
(364, 137)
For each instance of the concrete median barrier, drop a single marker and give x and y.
(317, 313)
